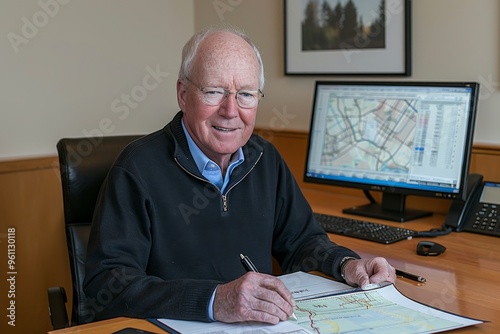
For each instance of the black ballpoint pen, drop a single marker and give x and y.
(249, 266)
(410, 276)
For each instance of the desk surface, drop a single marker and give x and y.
(465, 279)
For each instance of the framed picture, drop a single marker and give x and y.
(348, 37)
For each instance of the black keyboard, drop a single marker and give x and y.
(361, 229)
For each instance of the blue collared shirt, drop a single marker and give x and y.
(213, 173)
(209, 168)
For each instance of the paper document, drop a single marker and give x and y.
(383, 310)
(194, 327)
(306, 286)
(326, 306)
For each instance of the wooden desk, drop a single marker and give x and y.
(465, 279)
(110, 326)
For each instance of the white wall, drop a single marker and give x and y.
(66, 68)
(456, 40)
(71, 77)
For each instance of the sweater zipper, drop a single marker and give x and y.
(224, 197)
(225, 206)
(224, 203)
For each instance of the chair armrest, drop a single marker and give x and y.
(57, 307)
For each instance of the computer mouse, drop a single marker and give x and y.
(429, 248)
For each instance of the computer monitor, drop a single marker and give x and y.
(399, 138)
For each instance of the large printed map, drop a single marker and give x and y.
(364, 312)
(383, 310)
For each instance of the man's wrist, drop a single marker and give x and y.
(343, 264)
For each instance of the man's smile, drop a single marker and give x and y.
(218, 128)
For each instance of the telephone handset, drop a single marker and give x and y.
(459, 209)
(478, 213)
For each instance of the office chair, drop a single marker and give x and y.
(83, 163)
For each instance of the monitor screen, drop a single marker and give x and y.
(400, 138)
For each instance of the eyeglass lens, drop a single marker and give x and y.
(216, 95)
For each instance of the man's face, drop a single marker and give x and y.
(227, 61)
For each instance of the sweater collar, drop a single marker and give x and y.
(252, 151)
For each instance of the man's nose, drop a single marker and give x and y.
(229, 108)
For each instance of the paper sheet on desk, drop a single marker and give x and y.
(301, 284)
(332, 307)
(194, 327)
(382, 310)
(306, 286)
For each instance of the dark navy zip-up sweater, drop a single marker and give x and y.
(163, 237)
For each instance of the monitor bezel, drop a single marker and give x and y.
(394, 189)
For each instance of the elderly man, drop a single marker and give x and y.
(181, 204)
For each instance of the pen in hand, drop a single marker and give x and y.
(249, 266)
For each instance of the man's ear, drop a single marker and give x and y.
(181, 94)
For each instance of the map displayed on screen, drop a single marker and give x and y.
(414, 137)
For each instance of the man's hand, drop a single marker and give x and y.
(365, 271)
(253, 297)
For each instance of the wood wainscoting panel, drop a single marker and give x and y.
(485, 160)
(31, 203)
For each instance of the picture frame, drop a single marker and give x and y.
(348, 37)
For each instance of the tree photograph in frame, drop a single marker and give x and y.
(348, 37)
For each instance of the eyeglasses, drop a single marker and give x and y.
(214, 96)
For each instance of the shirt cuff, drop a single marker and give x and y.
(211, 306)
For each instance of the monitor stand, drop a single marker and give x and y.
(392, 208)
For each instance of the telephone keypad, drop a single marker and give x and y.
(486, 218)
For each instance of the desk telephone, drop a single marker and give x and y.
(479, 212)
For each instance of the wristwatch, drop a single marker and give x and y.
(343, 263)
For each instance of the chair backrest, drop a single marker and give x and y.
(84, 163)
